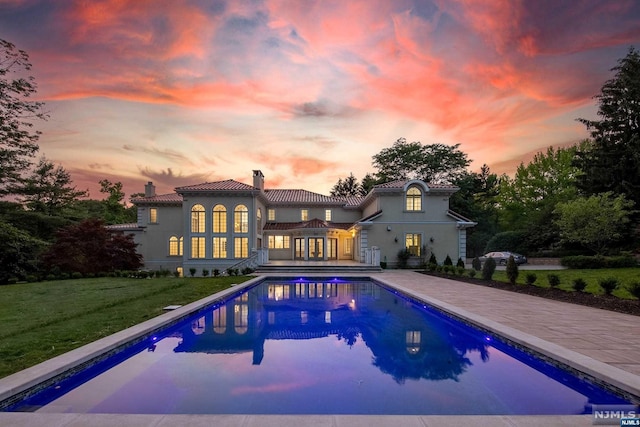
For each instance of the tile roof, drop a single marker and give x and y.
(313, 223)
(301, 196)
(227, 185)
(403, 182)
(162, 198)
(123, 227)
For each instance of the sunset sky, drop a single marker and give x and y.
(182, 91)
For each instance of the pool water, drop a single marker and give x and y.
(301, 347)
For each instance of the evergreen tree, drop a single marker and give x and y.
(612, 161)
(48, 189)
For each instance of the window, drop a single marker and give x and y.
(241, 247)
(241, 314)
(153, 215)
(304, 214)
(220, 320)
(175, 246)
(279, 242)
(241, 219)
(413, 339)
(413, 242)
(327, 214)
(197, 247)
(197, 219)
(259, 221)
(219, 219)
(219, 247)
(348, 246)
(414, 199)
(271, 214)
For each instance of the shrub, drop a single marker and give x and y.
(512, 270)
(403, 257)
(432, 259)
(247, 270)
(608, 285)
(432, 267)
(634, 289)
(460, 263)
(472, 273)
(447, 260)
(205, 272)
(553, 279)
(476, 264)
(598, 261)
(216, 272)
(446, 268)
(488, 269)
(579, 284)
(76, 275)
(460, 271)
(192, 271)
(176, 274)
(229, 271)
(531, 278)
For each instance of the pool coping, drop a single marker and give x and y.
(19, 383)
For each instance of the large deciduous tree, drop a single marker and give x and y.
(89, 248)
(18, 141)
(528, 200)
(115, 210)
(595, 222)
(434, 163)
(612, 161)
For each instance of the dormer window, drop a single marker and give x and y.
(414, 199)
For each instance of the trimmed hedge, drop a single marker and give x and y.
(598, 261)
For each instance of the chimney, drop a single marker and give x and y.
(149, 189)
(258, 180)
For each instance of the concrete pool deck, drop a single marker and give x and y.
(601, 340)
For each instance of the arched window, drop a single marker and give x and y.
(174, 246)
(414, 199)
(219, 219)
(220, 320)
(197, 219)
(241, 219)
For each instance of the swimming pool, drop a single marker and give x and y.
(321, 347)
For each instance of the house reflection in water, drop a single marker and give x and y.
(406, 342)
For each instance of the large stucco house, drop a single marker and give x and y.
(230, 224)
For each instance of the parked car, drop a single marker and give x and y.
(501, 258)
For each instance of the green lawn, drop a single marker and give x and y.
(625, 277)
(45, 319)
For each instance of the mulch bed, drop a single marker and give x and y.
(605, 302)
